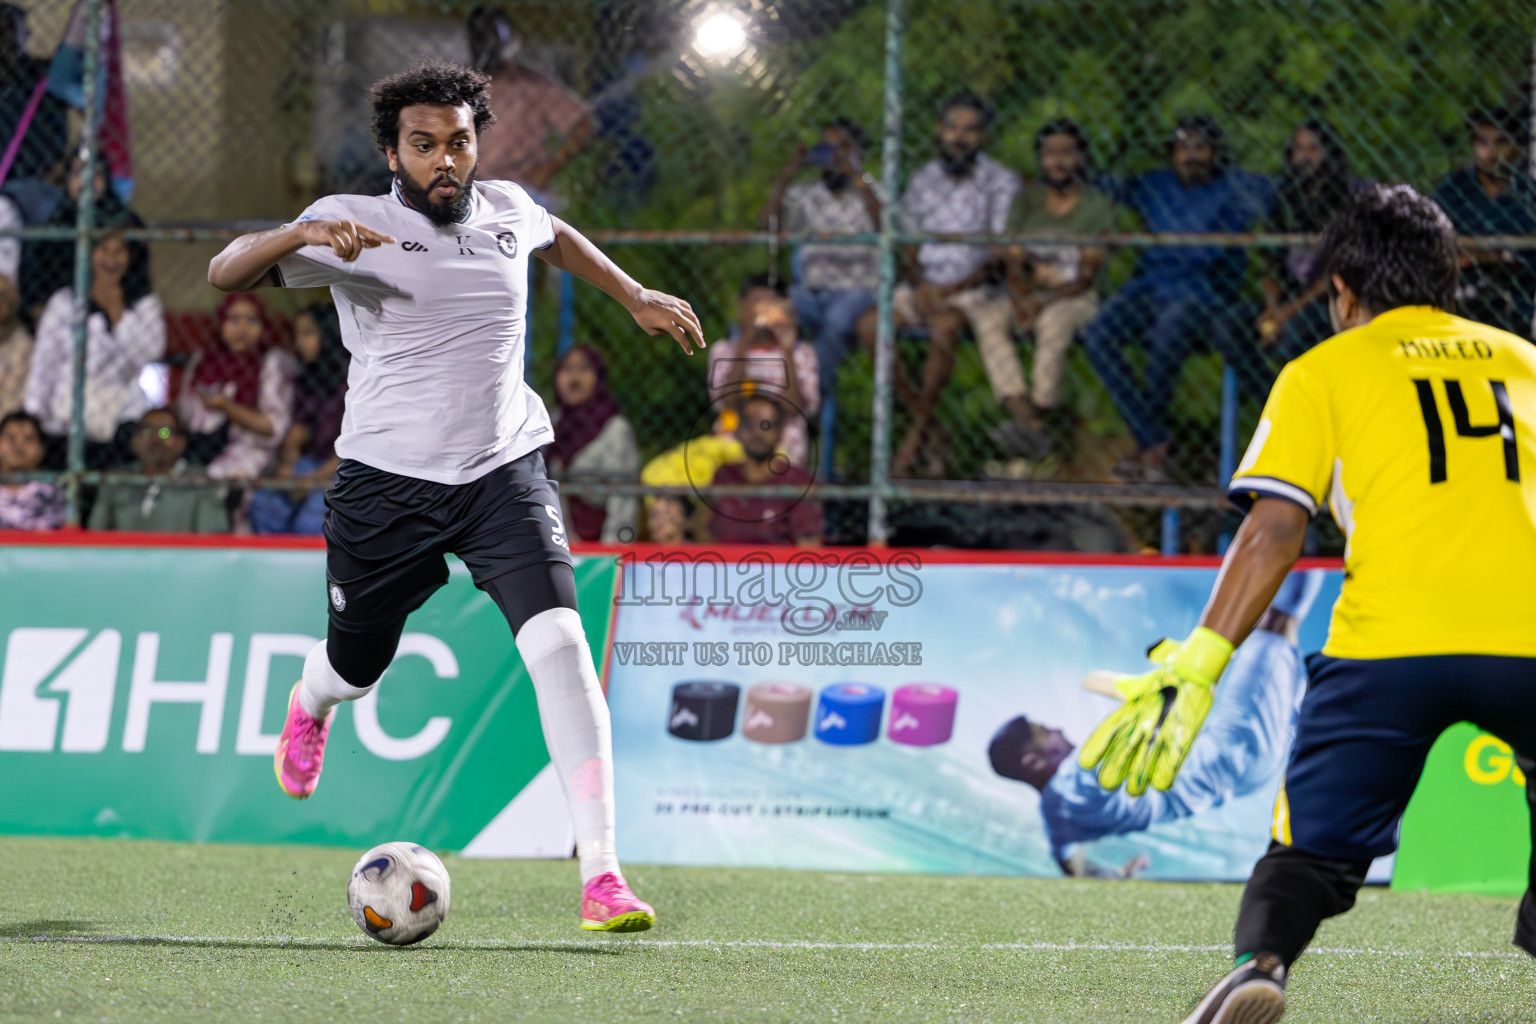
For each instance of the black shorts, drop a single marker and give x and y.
(1365, 730)
(386, 536)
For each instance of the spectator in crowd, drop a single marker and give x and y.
(307, 454)
(794, 519)
(540, 126)
(667, 520)
(593, 441)
(45, 132)
(771, 358)
(836, 288)
(1179, 294)
(1313, 187)
(1052, 286)
(36, 504)
(961, 191)
(159, 442)
(48, 265)
(1494, 196)
(238, 397)
(15, 349)
(125, 330)
(11, 219)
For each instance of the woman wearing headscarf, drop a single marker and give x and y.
(593, 441)
(308, 454)
(240, 386)
(125, 330)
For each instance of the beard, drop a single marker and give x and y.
(420, 199)
(835, 181)
(958, 165)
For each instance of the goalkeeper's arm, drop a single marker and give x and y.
(1145, 740)
(1266, 546)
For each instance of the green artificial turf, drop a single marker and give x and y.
(226, 933)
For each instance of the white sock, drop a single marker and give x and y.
(323, 689)
(577, 732)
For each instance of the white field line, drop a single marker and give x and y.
(278, 942)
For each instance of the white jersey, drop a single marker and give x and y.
(434, 322)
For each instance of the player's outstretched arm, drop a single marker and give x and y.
(1146, 740)
(656, 312)
(247, 262)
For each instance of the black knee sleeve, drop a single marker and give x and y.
(1288, 896)
(361, 658)
(526, 592)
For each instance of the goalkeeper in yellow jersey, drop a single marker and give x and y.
(1418, 429)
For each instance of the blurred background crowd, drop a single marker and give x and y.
(1060, 378)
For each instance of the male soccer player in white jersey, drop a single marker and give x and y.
(441, 437)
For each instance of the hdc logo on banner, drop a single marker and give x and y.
(142, 690)
(47, 667)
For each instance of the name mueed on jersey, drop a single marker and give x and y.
(1418, 430)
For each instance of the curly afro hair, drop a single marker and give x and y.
(1392, 247)
(433, 81)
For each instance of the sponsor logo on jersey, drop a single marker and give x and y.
(507, 243)
(413, 247)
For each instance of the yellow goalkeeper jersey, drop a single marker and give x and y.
(1418, 430)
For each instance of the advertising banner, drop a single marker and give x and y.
(1467, 828)
(142, 690)
(861, 713)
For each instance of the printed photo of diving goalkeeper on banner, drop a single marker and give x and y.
(898, 738)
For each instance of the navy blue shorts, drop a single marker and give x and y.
(1365, 730)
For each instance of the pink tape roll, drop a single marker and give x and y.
(922, 714)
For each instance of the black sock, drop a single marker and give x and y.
(1289, 895)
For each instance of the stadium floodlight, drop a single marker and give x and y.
(720, 35)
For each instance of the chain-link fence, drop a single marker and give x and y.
(1128, 191)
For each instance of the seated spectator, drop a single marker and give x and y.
(693, 464)
(962, 191)
(1494, 196)
(158, 444)
(593, 441)
(1313, 187)
(15, 349)
(1179, 294)
(837, 282)
(308, 452)
(771, 358)
(125, 330)
(1052, 286)
(667, 520)
(776, 520)
(540, 124)
(49, 264)
(240, 387)
(37, 504)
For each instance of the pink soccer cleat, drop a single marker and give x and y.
(300, 749)
(607, 905)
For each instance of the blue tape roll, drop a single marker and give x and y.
(703, 711)
(848, 714)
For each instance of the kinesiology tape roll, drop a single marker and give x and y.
(922, 714)
(849, 714)
(776, 712)
(703, 710)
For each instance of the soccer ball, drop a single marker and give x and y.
(399, 893)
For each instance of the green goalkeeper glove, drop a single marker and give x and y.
(1147, 738)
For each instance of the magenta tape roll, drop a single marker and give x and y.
(922, 714)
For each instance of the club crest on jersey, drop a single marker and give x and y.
(338, 599)
(507, 243)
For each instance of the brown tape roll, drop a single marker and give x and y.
(777, 712)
